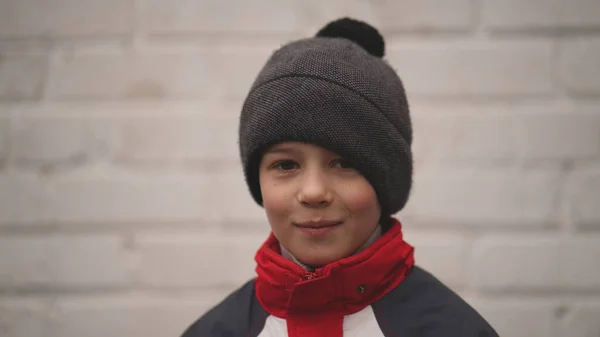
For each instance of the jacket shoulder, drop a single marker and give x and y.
(239, 314)
(422, 306)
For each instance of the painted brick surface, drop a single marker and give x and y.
(64, 18)
(541, 14)
(22, 76)
(59, 261)
(579, 65)
(122, 197)
(474, 69)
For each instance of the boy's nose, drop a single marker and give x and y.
(315, 191)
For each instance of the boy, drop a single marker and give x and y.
(325, 140)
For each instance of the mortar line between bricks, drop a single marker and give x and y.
(44, 290)
(152, 108)
(159, 293)
(560, 89)
(539, 296)
(230, 225)
(138, 29)
(59, 41)
(42, 90)
(54, 56)
(544, 32)
(539, 291)
(561, 202)
(479, 27)
(137, 227)
(272, 41)
(9, 146)
(130, 289)
(181, 290)
(430, 98)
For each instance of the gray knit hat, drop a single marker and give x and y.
(336, 91)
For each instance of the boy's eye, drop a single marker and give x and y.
(285, 165)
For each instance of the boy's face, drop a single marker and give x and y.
(319, 207)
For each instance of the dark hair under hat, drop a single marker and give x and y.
(336, 91)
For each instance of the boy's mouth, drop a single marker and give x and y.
(315, 224)
(318, 228)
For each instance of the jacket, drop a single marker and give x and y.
(378, 292)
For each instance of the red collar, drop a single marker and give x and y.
(345, 286)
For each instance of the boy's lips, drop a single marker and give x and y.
(318, 223)
(318, 228)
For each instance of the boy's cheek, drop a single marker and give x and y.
(360, 198)
(276, 206)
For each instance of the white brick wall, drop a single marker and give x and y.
(578, 70)
(196, 74)
(214, 16)
(545, 263)
(390, 16)
(4, 128)
(471, 69)
(582, 321)
(21, 76)
(485, 197)
(522, 15)
(57, 261)
(122, 197)
(64, 18)
(22, 317)
(583, 198)
(186, 260)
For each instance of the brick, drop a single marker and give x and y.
(58, 261)
(579, 65)
(475, 69)
(55, 134)
(64, 18)
(483, 197)
(21, 76)
(582, 321)
(559, 134)
(225, 74)
(4, 127)
(133, 315)
(459, 134)
(102, 197)
(20, 317)
(537, 264)
(474, 133)
(47, 139)
(442, 255)
(213, 16)
(21, 199)
(234, 70)
(197, 260)
(390, 16)
(207, 137)
(128, 76)
(114, 198)
(541, 14)
(512, 318)
(228, 191)
(583, 195)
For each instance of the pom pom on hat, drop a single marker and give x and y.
(358, 32)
